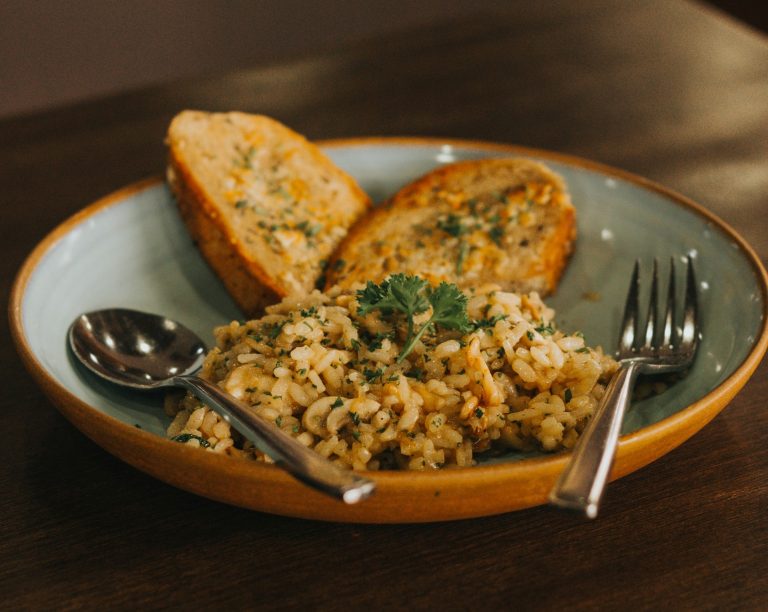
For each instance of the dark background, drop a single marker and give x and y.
(54, 52)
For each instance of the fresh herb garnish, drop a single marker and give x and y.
(545, 330)
(355, 417)
(308, 230)
(273, 329)
(489, 322)
(186, 437)
(371, 375)
(452, 225)
(416, 373)
(248, 157)
(496, 233)
(412, 295)
(309, 312)
(338, 403)
(375, 342)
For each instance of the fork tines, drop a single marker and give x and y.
(669, 336)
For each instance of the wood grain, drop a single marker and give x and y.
(668, 90)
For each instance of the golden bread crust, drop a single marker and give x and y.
(503, 221)
(265, 206)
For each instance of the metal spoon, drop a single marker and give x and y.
(147, 352)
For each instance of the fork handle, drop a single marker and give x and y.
(581, 484)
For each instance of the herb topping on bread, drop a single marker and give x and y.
(266, 207)
(504, 221)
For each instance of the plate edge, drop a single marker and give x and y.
(708, 406)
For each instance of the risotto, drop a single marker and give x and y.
(330, 377)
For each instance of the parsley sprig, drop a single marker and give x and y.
(412, 295)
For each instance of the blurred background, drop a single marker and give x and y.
(56, 52)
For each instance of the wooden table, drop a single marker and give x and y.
(669, 90)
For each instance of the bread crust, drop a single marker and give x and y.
(248, 284)
(455, 217)
(277, 244)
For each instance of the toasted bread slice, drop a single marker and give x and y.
(506, 221)
(265, 206)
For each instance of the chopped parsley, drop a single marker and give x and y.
(371, 375)
(545, 330)
(416, 373)
(452, 225)
(496, 233)
(338, 403)
(488, 322)
(273, 329)
(374, 342)
(186, 437)
(308, 230)
(309, 312)
(248, 157)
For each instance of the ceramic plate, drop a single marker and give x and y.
(131, 249)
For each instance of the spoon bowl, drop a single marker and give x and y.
(145, 351)
(135, 349)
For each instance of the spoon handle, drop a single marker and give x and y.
(303, 463)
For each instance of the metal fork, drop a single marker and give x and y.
(653, 351)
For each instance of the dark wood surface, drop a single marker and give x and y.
(669, 90)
